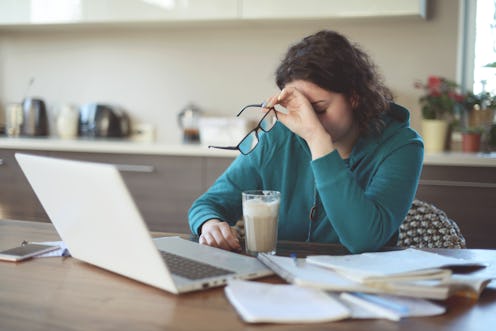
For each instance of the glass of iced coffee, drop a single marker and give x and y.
(260, 214)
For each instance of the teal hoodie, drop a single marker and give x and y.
(360, 202)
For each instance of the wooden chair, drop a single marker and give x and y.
(427, 226)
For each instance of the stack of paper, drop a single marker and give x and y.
(402, 265)
(407, 272)
(389, 285)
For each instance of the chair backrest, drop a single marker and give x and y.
(427, 226)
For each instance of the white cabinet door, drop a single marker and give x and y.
(103, 11)
(159, 10)
(286, 9)
(26, 12)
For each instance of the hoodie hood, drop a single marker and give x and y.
(396, 122)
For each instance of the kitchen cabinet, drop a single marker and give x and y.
(163, 186)
(17, 199)
(53, 12)
(467, 194)
(284, 9)
(22, 12)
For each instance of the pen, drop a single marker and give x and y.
(294, 258)
(65, 253)
(366, 303)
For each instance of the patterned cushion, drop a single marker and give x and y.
(427, 226)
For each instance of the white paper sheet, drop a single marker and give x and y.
(280, 303)
(416, 307)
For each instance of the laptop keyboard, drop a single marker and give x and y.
(191, 269)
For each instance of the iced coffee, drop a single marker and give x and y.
(260, 214)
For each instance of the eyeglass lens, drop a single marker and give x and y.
(251, 140)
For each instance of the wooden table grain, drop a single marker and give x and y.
(67, 294)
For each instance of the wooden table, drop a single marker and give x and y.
(66, 294)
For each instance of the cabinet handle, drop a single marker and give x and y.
(135, 168)
(1, 162)
(434, 182)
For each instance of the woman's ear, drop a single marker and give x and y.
(354, 101)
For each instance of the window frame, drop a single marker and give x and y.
(466, 44)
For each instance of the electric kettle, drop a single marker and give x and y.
(188, 119)
(98, 120)
(35, 117)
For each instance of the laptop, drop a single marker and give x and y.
(96, 217)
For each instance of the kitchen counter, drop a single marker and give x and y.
(111, 146)
(131, 147)
(461, 159)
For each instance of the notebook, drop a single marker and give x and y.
(95, 215)
(400, 265)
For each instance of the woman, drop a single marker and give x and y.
(343, 156)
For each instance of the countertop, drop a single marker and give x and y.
(112, 146)
(132, 147)
(461, 159)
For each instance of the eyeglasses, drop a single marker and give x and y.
(250, 141)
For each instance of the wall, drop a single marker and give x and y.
(155, 71)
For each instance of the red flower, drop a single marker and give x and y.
(434, 84)
(440, 99)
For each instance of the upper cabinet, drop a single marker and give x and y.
(21, 12)
(47, 12)
(284, 9)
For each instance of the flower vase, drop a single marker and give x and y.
(434, 133)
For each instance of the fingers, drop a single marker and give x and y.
(270, 103)
(219, 234)
(285, 93)
(275, 99)
(289, 98)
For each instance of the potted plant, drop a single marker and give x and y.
(438, 104)
(471, 139)
(479, 113)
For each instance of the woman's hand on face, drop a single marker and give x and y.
(302, 120)
(301, 117)
(219, 234)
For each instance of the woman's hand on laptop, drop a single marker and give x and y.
(219, 234)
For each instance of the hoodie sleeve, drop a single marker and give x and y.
(365, 218)
(223, 199)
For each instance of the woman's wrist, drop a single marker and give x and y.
(320, 144)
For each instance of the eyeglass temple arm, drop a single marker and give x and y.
(231, 148)
(249, 106)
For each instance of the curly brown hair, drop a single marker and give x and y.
(332, 62)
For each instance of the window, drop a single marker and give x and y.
(478, 45)
(485, 47)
